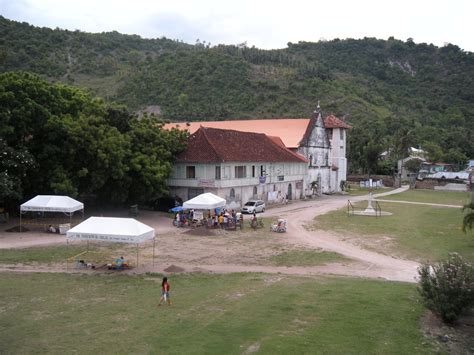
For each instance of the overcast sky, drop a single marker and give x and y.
(265, 23)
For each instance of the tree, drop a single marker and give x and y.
(153, 150)
(56, 139)
(468, 220)
(14, 165)
(413, 165)
(434, 153)
(455, 157)
(447, 287)
(371, 156)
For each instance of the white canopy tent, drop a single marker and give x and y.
(112, 229)
(52, 203)
(206, 201)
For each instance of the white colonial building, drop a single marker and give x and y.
(322, 143)
(238, 166)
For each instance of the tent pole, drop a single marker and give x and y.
(153, 262)
(67, 254)
(137, 255)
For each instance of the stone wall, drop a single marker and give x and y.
(430, 184)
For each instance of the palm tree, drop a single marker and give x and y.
(468, 221)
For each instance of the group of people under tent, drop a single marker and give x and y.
(217, 218)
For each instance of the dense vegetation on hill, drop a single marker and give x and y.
(395, 94)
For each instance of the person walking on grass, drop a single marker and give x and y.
(165, 291)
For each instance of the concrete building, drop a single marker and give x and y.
(321, 141)
(238, 166)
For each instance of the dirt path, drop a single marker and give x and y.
(237, 253)
(379, 265)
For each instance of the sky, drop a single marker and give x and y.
(264, 24)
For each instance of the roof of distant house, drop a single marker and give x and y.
(332, 121)
(290, 130)
(212, 145)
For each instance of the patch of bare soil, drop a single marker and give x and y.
(16, 229)
(200, 231)
(174, 268)
(453, 339)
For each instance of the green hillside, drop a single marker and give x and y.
(394, 93)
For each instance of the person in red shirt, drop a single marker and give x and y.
(165, 291)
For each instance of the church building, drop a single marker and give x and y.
(319, 142)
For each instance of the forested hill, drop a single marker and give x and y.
(394, 93)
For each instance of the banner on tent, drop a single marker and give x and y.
(43, 209)
(107, 238)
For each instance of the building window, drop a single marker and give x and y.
(327, 159)
(280, 178)
(341, 134)
(190, 172)
(253, 170)
(232, 193)
(218, 172)
(262, 171)
(274, 187)
(329, 133)
(255, 191)
(240, 172)
(311, 160)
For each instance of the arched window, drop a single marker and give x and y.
(232, 193)
(255, 190)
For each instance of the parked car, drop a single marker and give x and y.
(253, 206)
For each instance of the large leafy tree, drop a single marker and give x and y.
(151, 157)
(468, 220)
(58, 139)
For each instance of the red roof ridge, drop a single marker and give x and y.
(331, 121)
(283, 147)
(203, 129)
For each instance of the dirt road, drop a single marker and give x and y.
(235, 253)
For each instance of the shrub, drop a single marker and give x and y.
(447, 287)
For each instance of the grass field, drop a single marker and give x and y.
(413, 231)
(305, 258)
(58, 254)
(431, 196)
(223, 314)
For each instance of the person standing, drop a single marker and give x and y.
(165, 292)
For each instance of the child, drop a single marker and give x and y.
(165, 291)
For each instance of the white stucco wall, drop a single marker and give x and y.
(277, 176)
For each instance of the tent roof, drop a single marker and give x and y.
(111, 229)
(204, 201)
(51, 203)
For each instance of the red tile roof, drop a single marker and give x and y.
(290, 130)
(332, 121)
(212, 145)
